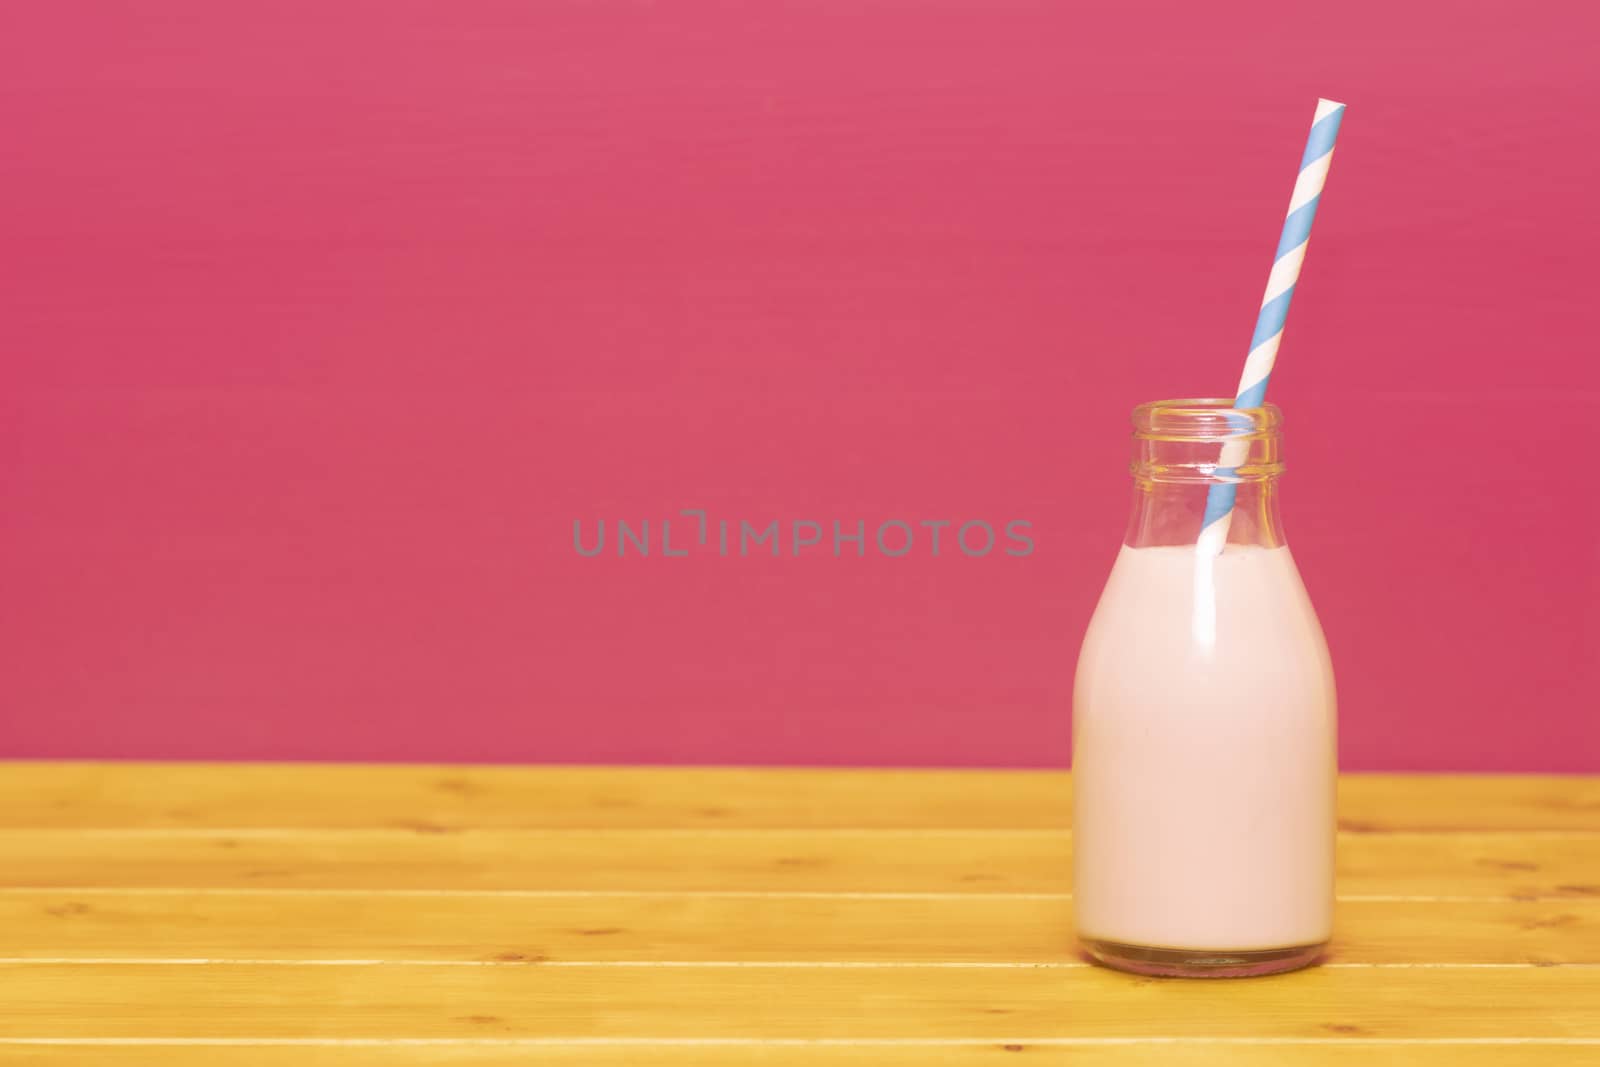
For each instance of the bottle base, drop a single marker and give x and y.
(1201, 963)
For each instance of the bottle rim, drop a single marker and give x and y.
(1205, 440)
(1203, 419)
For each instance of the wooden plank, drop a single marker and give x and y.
(987, 929)
(1506, 866)
(87, 795)
(108, 795)
(1010, 1004)
(1517, 866)
(1330, 1053)
(1468, 803)
(1555, 931)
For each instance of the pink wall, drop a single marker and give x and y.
(321, 324)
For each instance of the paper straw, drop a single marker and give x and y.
(1274, 310)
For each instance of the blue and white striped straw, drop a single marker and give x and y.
(1274, 310)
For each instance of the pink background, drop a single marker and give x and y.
(322, 321)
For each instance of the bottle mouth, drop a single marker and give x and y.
(1197, 440)
(1204, 418)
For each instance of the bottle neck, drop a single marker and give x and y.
(1165, 513)
(1182, 449)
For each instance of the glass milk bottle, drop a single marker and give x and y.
(1203, 722)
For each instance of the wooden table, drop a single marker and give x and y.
(275, 915)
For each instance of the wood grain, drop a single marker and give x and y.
(1332, 1053)
(760, 1001)
(391, 916)
(148, 795)
(286, 925)
(1493, 865)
